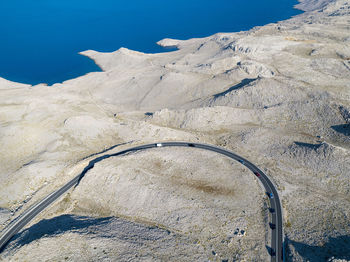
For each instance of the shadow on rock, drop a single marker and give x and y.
(119, 229)
(343, 129)
(99, 159)
(243, 83)
(307, 145)
(56, 226)
(270, 251)
(336, 247)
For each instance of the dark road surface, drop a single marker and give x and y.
(275, 223)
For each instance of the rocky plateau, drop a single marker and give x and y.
(278, 95)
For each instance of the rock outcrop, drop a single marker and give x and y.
(277, 95)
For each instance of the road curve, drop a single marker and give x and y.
(275, 223)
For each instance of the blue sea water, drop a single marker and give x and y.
(40, 39)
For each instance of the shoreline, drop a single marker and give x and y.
(163, 47)
(277, 95)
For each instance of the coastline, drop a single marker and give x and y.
(276, 94)
(77, 66)
(168, 43)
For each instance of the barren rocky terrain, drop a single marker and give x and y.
(278, 95)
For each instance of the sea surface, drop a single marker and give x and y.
(40, 39)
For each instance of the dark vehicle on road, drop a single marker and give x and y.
(272, 226)
(270, 195)
(257, 174)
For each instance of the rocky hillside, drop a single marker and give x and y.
(278, 95)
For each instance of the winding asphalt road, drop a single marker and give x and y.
(275, 224)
